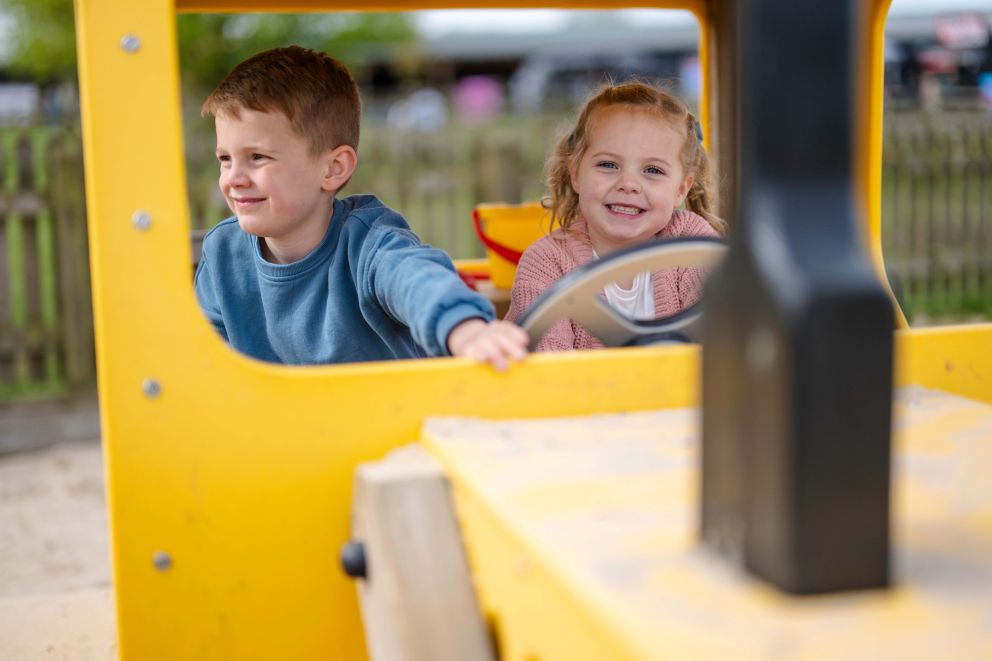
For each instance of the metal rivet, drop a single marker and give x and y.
(162, 561)
(130, 43)
(141, 219)
(353, 559)
(151, 387)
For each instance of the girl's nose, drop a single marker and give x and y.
(628, 185)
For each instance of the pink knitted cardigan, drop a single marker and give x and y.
(551, 257)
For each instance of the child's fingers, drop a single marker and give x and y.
(511, 344)
(512, 338)
(504, 341)
(497, 350)
(496, 344)
(489, 352)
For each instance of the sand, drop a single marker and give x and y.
(56, 600)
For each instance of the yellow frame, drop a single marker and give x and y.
(241, 471)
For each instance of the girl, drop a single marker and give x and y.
(618, 178)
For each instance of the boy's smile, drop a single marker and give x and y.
(278, 190)
(630, 178)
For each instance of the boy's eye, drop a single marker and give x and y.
(223, 158)
(258, 157)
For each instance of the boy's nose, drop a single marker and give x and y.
(234, 176)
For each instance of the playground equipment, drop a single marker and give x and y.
(576, 296)
(230, 480)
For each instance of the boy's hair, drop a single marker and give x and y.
(563, 201)
(313, 90)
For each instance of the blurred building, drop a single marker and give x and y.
(20, 103)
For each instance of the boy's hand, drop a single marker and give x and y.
(492, 342)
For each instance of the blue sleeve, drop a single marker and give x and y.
(417, 285)
(207, 295)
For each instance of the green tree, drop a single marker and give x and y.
(43, 44)
(211, 44)
(43, 41)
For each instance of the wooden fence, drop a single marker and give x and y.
(434, 179)
(936, 214)
(937, 211)
(46, 327)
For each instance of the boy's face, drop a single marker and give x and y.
(271, 182)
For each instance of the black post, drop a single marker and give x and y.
(797, 361)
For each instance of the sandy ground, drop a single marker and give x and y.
(55, 595)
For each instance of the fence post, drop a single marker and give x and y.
(67, 203)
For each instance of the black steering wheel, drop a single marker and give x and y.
(577, 295)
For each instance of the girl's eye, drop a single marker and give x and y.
(653, 170)
(607, 164)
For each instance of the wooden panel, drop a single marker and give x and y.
(605, 507)
(417, 602)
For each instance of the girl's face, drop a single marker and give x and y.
(630, 178)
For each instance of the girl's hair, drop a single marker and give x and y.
(563, 201)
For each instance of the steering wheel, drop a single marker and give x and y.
(577, 295)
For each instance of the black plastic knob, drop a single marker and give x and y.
(353, 559)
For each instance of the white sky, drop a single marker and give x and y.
(908, 7)
(437, 23)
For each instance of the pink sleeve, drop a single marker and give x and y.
(692, 280)
(690, 286)
(542, 265)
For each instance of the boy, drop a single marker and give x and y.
(300, 276)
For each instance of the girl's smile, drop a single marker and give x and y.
(621, 210)
(630, 178)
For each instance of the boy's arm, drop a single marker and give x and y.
(206, 295)
(417, 286)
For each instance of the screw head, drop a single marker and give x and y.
(151, 387)
(353, 559)
(141, 220)
(162, 561)
(130, 43)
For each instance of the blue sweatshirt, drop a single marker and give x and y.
(370, 291)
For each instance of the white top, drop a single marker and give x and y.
(634, 303)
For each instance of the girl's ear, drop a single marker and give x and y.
(684, 189)
(339, 164)
(572, 179)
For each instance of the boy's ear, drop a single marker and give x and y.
(339, 165)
